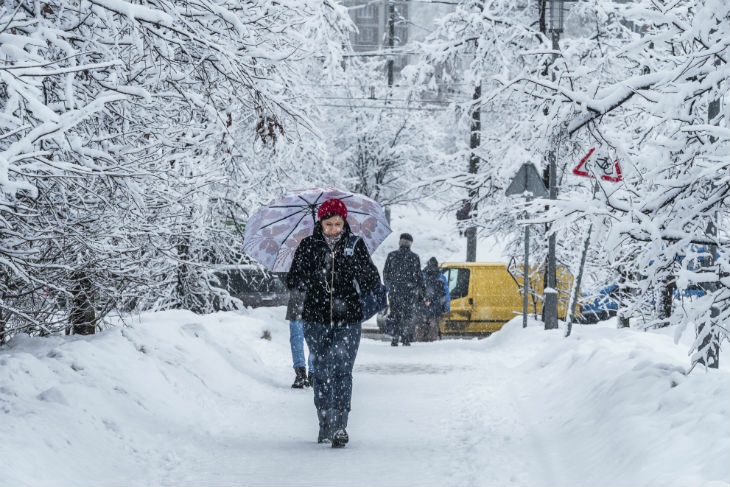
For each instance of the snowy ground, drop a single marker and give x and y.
(186, 400)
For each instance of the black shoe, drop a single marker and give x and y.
(337, 421)
(340, 438)
(394, 342)
(323, 435)
(406, 343)
(300, 381)
(310, 379)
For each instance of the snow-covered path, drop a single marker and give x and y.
(187, 400)
(419, 417)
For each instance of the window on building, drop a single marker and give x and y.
(367, 35)
(366, 12)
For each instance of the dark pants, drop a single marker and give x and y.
(334, 350)
(403, 315)
(427, 329)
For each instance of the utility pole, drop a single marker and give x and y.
(389, 68)
(550, 300)
(475, 142)
(391, 40)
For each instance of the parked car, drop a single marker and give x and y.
(600, 305)
(693, 291)
(604, 303)
(253, 285)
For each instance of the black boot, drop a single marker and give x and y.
(338, 423)
(300, 381)
(310, 379)
(323, 436)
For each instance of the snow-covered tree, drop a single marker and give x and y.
(386, 146)
(673, 137)
(131, 132)
(644, 83)
(472, 59)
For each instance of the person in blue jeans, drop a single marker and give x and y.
(302, 378)
(332, 313)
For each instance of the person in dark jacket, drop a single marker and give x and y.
(435, 302)
(302, 379)
(332, 314)
(403, 278)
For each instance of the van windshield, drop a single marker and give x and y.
(458, 281)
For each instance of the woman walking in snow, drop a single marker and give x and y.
(325, 268)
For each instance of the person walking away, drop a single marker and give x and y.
(302, 378)
(403, 278)
(435, 302)
(332, 315)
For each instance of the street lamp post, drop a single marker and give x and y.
(551, 289)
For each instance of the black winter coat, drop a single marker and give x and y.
(403, 277)
(327, 278)
(295, 305)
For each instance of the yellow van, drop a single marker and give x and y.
(485, 296)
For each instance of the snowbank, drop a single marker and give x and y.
(179, 399)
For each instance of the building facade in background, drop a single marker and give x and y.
(412, 21)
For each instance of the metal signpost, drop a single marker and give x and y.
(528, 183)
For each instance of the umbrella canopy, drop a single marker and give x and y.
(274, 231)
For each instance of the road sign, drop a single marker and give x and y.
(528, 180)
(593, 165)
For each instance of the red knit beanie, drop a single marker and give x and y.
(331, 207)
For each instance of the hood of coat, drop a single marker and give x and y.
(432, 267)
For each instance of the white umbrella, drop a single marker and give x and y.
(274, 231)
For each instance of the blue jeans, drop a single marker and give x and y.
(334, 349)
(296, 340)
